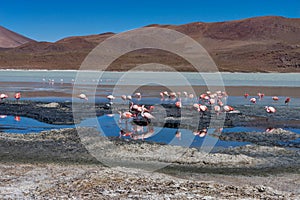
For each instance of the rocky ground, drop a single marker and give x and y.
(66, 165)
(60, 181)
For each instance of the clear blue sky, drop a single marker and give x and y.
(51, 20)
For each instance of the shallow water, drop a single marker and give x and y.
(23, 125)
(108, 78)
(57, 86)
(111, 126)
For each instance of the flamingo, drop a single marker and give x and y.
(172, 95)
(185, 94)
(270, 109)
(17, 118)
(220, 103)
(145, 113)
(178, 104)
(82, 96)
(203, 132)
(135, 107)
(206, 98)
(212, 101)
(228, 108)
(124, 97)
(191, 96)
(260, 95)
(246, 95)
(138, 95)
(162, 96)
(196, 106)
(129, 97)
(275, 98)
(202, 109)
(202, 96)
(125, 115)
(166, 93)
(253, 100)
(269, 130)
(3, 96)
(287, 100)
(110, 97)
(17, 96)
(217, 109)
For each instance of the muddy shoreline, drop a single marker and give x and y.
(63, 113)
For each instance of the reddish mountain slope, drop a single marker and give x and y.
(255, 44)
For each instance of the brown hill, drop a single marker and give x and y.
(9, 39)
(261, 44)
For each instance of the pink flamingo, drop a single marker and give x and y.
(138, 95)
(135, 107)
(162, 96)
(228, 108)
(17, 96)
(178, 104)
(172, 95)
(124, 97)
(287, 100)
(217, 109)
(129, 97)
(110, 97)
(220, 103)
(125, 115)
(260, 95)
(146, 114)
(3, 96)
(275, 98)
(185, 94)
(270, 109)
(82, 96)
(17, 118)
(253, 100)
(202, 109)
(212, 101)
(203, 132)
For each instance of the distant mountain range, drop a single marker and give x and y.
(261, 44)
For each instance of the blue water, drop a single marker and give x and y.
(23, 125)
(111, 127)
